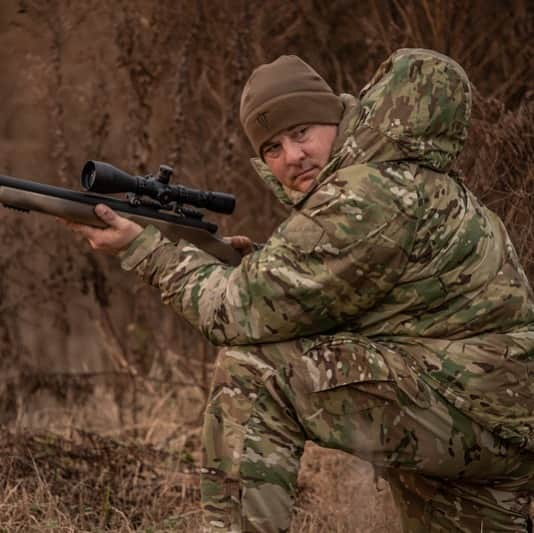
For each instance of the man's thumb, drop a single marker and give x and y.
(106, 214)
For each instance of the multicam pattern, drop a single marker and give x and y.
(431, 375)
(268, 399)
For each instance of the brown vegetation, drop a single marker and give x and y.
(85, 346)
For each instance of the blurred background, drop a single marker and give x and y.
(102, 388)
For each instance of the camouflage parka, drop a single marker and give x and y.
(388, 244)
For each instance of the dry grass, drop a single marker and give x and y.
(91, 483)
(84, 346)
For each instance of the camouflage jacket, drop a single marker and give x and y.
(388, 244)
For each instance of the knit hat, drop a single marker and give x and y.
(282, 94)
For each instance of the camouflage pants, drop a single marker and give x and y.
(345, 392)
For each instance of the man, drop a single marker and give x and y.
(388, 316)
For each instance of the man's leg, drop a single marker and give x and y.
(439, 506)
(448, 473)
(252, 444)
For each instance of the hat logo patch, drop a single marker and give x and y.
(261, 119)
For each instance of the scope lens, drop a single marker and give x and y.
(88, 175)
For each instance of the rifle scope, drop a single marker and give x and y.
(104, 178)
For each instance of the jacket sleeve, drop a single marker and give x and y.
(323, 267)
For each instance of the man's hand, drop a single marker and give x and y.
(113, 239)
(241, 243)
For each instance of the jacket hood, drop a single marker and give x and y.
(416, 107)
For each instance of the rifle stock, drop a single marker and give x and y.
(79, 207)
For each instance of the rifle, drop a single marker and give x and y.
(149, 200)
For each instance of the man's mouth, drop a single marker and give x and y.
(308, 173)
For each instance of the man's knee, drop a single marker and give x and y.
(238, 370)
(254, 363)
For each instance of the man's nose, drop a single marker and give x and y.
(294, 152)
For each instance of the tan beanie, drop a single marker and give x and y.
(282, 94)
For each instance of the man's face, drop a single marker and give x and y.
(297, 155)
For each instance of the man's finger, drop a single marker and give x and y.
(86, 231)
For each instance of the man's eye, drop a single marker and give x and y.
(271, 151)
(301, 132)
